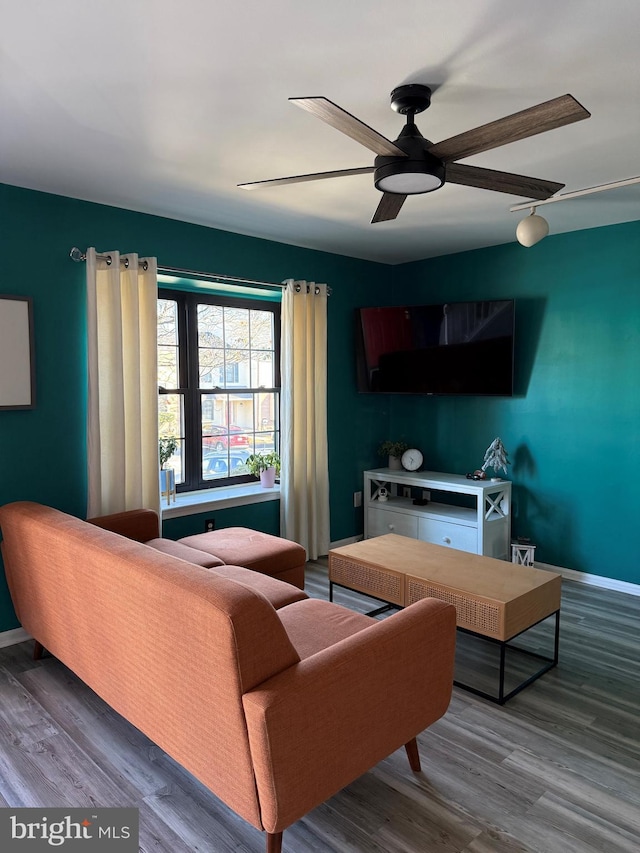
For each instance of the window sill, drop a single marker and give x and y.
(192, 503)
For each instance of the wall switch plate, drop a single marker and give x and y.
(209, 525)
(357, 498)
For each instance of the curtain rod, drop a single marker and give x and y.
(76, 255)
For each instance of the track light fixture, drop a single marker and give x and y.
(532, 229)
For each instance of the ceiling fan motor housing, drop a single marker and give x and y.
(410, 98)
(418, 172)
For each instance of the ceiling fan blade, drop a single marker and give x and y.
(538, 119)
(316, 176)
(343, 121)
(389, 207)
(502, 182)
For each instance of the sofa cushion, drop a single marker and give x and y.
(277, 592)
(239, 546)
(184, 552)
(313, 625)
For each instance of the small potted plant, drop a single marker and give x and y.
(167, 446)
(394, 450)
(266, 466)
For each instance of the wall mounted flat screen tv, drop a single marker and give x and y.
(451, 348)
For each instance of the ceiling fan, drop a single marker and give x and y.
(412, 164)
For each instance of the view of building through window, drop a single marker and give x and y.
(219, 384)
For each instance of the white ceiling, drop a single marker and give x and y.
(163, 106)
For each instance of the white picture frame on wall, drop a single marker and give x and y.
(17, 363)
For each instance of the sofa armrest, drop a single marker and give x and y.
(138, 524)
(320, 724)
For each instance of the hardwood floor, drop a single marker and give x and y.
(555, 770)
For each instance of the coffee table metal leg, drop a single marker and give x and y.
(384, 609)
(503, 652)
(549, 663)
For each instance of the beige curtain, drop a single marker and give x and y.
(123, 383)
(304, 481)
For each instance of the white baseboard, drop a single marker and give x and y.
(10, 638)
(592, 580)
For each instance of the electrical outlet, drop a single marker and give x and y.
(209, 525)
(357, 498)
(426, 495)
(406, 491)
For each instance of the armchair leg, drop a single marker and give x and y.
(38, 650)
(413, 755)
(274, 842)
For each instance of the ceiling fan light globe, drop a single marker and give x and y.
(531, 230)
(409, 183)
(410, 176)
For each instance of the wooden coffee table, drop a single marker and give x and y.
(494, 599)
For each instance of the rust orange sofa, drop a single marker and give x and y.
(274, 710)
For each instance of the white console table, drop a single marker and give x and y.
(469, 515)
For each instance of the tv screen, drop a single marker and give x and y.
(451, 348)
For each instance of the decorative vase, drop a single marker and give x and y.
(167, 484)
(395, 463)
(268, 478)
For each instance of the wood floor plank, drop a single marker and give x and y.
(22, 719)
(157, 837)
(496, 841)
(192, 820)
(98, 730)
(574, 747)
(621, 808)
(55, 772)
(596, 832)
(554, 770)
(443, 821)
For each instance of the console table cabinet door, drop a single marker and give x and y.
(381, 521)
(450, 535)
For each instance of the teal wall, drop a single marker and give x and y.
(572, 430)
(262, 516)
(43, 456)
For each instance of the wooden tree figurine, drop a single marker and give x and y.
(496, 456)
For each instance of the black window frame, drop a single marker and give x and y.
(187, 316)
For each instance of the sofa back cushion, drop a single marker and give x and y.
(170, 646)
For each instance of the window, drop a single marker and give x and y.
(219, 378)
